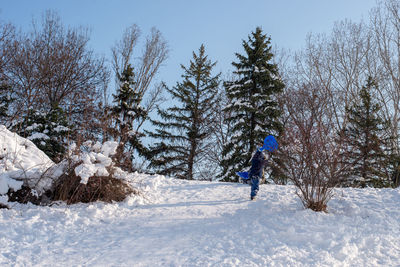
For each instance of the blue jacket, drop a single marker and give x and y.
(258, 163)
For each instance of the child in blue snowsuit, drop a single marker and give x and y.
(258, 163)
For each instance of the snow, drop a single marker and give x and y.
(21, 160)
(85, 170)
(192, 223)
(38, 136)
(258, 128)
(234, 86)
(96, 161)
(6, 182)
(175, 222)
(257, 70)
(109, 148)
(32, 127)
(61, 128)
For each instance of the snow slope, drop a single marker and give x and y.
(192, 223)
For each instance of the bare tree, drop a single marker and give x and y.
(52, 66)
(385, 25)
(145, 66)
(338, 63)
(144, 94)
(7, 35)
(314, 158)
(122, 52)
(209, 164)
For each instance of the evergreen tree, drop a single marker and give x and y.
(48, 131)
(185, 128)
(5, 100)
(254, 109)
(367, 140)
(126, 112)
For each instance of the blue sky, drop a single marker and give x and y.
(219, 24)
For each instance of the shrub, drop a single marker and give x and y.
(23, 195)
(313, 154)
(69, 188)
(91, 175)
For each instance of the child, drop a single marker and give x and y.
(258, 163)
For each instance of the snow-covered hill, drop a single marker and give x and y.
(191, 223)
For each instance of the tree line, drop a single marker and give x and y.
(333, 106)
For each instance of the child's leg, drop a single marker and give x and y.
(255, 181)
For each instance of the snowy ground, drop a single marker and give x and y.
(190, 223)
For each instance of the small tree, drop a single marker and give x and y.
(254, 111)
(314, 159)
(126, 112)
(144, 66)
(184, 131)
(367, 140)
(48, 131)
(5, 101)
(140, 93)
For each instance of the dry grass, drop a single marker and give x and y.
(23, 195)
(99, 188)
(2, 206)
(317, 206)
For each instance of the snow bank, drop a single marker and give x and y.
(148, 186)
(192, 223)
(21, 161)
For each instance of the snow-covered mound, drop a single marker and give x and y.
(96, 160)
(21, 161)
(191, 223)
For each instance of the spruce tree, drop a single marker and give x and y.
(185, 127)
(5, 101)
(48, 131)
(126, 112)
(366, 137)
(254, 109)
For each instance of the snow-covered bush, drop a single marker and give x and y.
(90, 175)
(22, 164)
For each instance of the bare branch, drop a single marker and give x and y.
(122, 52)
